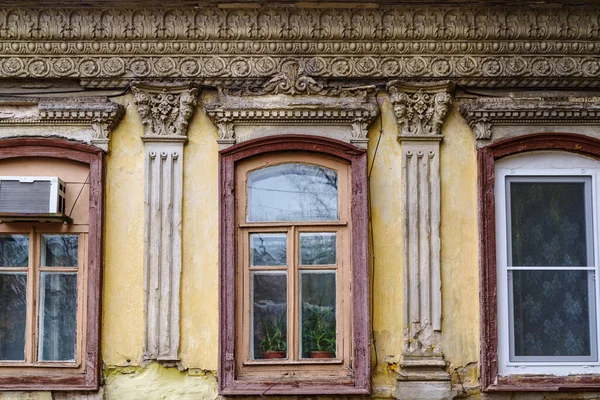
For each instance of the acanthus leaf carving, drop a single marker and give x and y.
(165, 112)
(420, 111)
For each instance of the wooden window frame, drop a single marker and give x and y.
(260, 383)
(486, 158)
(84, 373)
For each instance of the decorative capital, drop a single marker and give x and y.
(420, 110)
(165, 113)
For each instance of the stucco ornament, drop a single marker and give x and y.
(96, 115)
(165, 113)
(479, 46)
(420, 110)
(291, 80)
(419, 113)
(489, 117)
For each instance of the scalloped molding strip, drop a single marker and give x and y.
(97, 112)
(482, 115)
(491, 46)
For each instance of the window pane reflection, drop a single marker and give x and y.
(269, 315)
(317, 248)
(59, 250)
(58, 316)
(268, 249)
(14, 250)
(317, 317)
(292, 192)
(13, 309)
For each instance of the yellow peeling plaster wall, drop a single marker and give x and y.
(123, 311)
(459, 251)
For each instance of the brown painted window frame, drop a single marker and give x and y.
(229, 384)
(486, 159)
(85, 376)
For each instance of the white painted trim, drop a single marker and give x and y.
(543, 163)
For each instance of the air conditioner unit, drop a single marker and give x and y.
(32, 198)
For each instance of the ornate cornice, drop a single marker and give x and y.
(482, 115)
(420, 110)
(229, 112)
(491, 46)
(165, 113)
(98, 112)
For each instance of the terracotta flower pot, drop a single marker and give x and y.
(322, 354)
(274, 354)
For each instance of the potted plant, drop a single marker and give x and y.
(274, 343)
(319, 335)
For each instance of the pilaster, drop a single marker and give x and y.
(420, 111)
(165, 115)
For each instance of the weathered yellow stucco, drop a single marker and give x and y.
(387, 308)
(125, 374)
(459, 249)
(123, 296)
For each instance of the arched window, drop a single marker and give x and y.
(294, 273)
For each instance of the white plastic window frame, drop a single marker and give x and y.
(542, 164)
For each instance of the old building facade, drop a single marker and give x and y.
(409, 189)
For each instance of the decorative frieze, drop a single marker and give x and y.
(95, 118)
(165, 115)
(481, 46)
(420, 111)
(390, 23)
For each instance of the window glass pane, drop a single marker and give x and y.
(268, 249)
(548, 224)
(13, 310)
(14, 250)
(552, 313)
(317, 248)
(317, 314)
(292, 192)
(59, 250)
(58, 316)
(269, 315)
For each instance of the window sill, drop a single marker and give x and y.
(545, 383)
(298, 362)
(293, 388)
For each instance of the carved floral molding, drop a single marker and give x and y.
(491, 46)
(420, 110)
(165, 112)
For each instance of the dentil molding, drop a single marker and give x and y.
(491, 46)
(86, 119)
(242, 117)
(488, 117)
